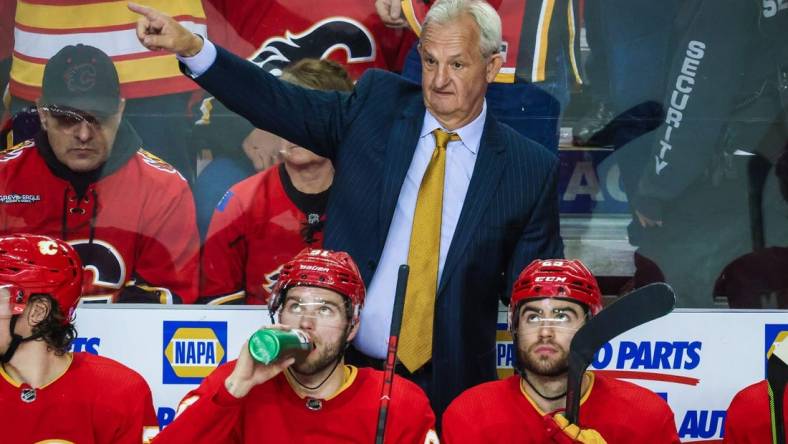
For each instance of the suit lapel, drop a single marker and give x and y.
(486, 176)
(399, 148)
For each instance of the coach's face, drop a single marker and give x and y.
(81, 141)
(455, 73)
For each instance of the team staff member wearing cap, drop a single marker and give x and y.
(86, 179)
(47, 394)
(551, 300)
(318, 399)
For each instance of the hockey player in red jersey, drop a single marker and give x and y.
(551, 300)
(85, 179)
(316, 400)
(46, 393)
(751, 417)
(263, 221)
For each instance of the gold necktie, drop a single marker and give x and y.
(415, 342)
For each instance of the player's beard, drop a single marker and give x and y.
(547, 367)
(325, 358)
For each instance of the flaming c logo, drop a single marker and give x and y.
(80, 78)
(319, 41)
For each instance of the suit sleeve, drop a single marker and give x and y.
(207, 414)
(312, 119)
(167, 261)
(705, 75)
(541, 237)
(225, 251)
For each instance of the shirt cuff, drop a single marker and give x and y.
(200, 62)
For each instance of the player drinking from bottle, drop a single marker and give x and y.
(551, 300)
(316, 399)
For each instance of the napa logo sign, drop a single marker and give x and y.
(192, 350)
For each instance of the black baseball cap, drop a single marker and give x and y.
(81, 77)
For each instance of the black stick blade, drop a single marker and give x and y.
(636, 308)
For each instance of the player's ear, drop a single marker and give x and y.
(353, 330)
(39, 311)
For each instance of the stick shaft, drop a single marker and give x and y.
(391, 354)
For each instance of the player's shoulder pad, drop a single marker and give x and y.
(16, 151)
(153, 161)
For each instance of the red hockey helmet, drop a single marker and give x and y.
(332, 270)
(557, 278)
(32, 264)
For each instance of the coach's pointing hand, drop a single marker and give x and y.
(157, 31)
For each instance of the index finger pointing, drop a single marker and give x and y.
(149, 13)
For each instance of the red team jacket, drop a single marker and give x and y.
(273, 412)
(501, 412)
(96, 401)
(254, 230)
(749, 419)
(272, 33)
(135, 228)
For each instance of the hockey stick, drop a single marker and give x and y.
(636, 308)
(391, 356)
(777, 376)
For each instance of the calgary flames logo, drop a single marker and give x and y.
(319, 41)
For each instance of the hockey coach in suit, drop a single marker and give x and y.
(424, 175)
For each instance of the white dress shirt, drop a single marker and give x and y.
(373, 335)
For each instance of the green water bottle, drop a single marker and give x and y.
(268, 345)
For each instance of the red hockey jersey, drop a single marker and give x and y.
(254, 230)
(273, 412)
(749, 419)
(134, 229)
(501, 412)
(97, 400)
(273, 33)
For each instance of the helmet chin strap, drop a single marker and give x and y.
(16, 341)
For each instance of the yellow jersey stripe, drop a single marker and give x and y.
(540, 47)
(91, 15)
(128, 70)
(572, 56)
(410, 16)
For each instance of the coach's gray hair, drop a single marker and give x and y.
(485, 16)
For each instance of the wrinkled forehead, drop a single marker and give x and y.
(550, 305)
(314, 295)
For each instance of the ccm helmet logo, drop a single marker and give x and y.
(550, 279)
